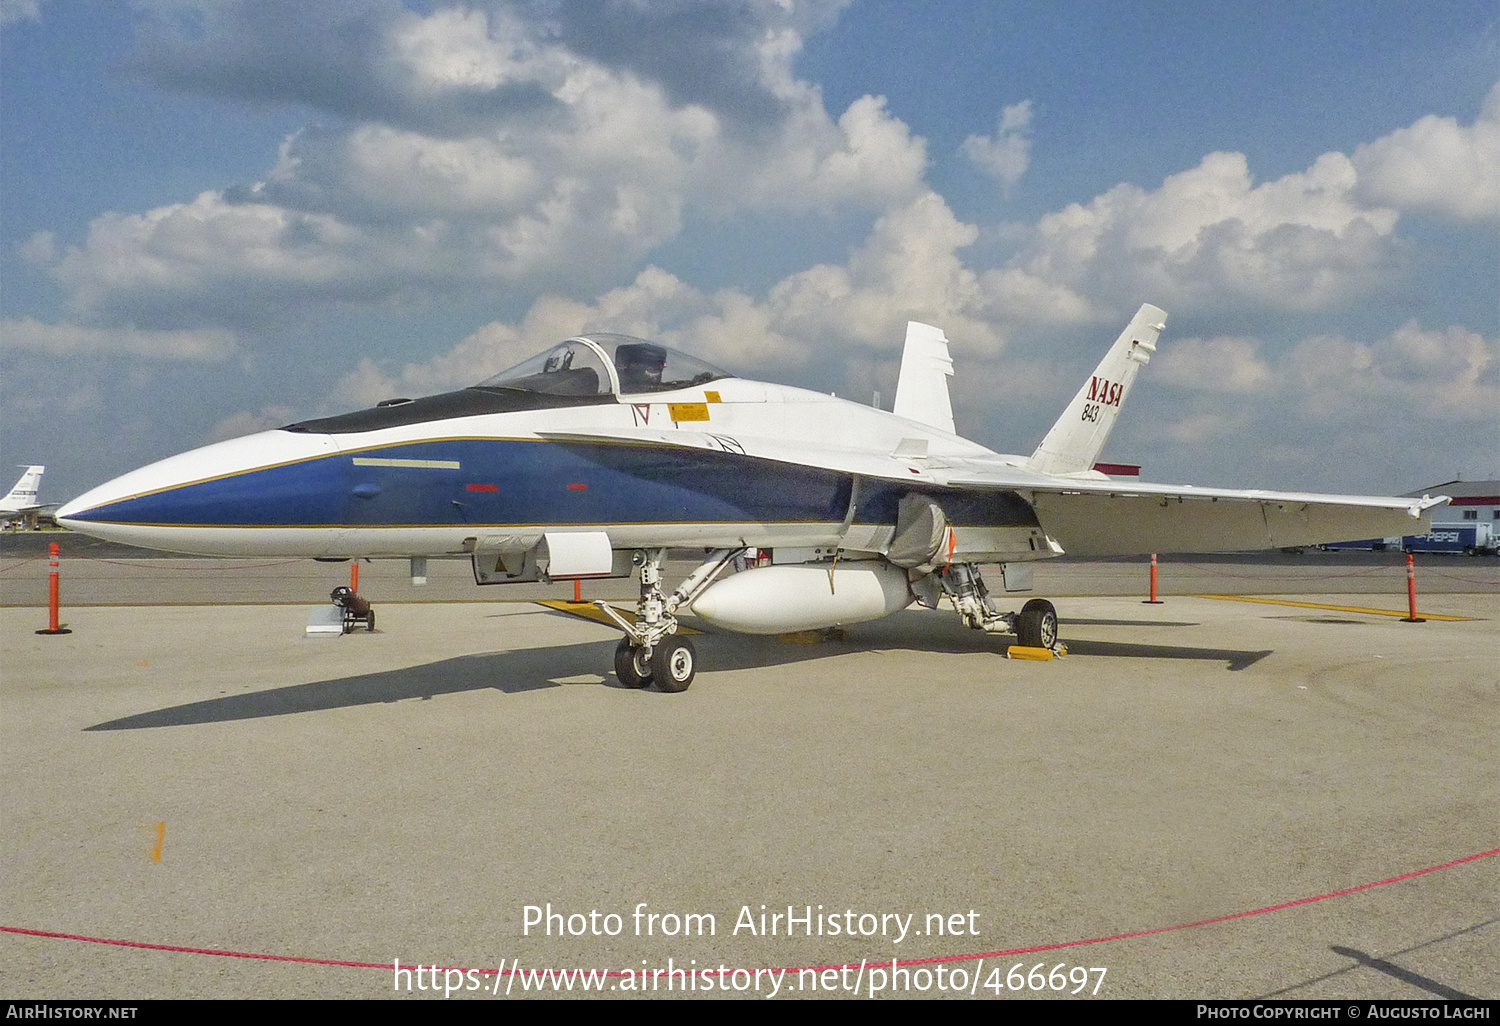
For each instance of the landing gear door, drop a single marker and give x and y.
(1017, 576)
(505, 565)
(572, 555)
(552, 556)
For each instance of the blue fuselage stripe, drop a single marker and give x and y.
(497, 481)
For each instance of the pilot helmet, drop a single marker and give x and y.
(640, 365)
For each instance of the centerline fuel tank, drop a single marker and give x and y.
(805, 596)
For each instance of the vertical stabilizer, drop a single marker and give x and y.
(1075, 441)
(23, 495)
(922, 389)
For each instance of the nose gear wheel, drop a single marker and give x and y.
(632, 664)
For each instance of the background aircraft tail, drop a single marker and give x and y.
(23, 495)
(1075, 441)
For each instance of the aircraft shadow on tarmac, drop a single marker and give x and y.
(940, 633)
(1234, 659)
(535, 669)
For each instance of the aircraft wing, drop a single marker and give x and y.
(1089, 516)
(1111, 519)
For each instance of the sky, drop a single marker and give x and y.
(218, 217)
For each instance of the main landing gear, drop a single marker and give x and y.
(1035, 626)
(648, 653)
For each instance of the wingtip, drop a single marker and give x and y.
(1427, 502)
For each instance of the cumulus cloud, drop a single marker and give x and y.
(1322, 412)
(1221, 364)
(907, 269)
(500, 145)
(1208, 239)
(527, 147)
(457, 69)
(356, 61)
(731, 57)
(1211, 236)
(211, 260)
(1007, 153)
(27, 334)
(1452, 374)
(869, 159)
(1438, 165)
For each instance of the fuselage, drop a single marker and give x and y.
(428, 478)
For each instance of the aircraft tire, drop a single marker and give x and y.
(633, 670)
(673, 665)
(1036, 626)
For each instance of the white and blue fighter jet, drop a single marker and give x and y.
(597, 457)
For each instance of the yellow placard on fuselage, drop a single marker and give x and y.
(688, 411)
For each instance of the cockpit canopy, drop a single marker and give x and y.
(604, 363)
(589, 370)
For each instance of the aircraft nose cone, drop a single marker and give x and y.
(181, 503)
(66, 511)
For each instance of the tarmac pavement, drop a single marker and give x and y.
(207, 777)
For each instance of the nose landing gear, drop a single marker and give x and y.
(649, 653)
(632, 664)
(670, 664)
(673, 664)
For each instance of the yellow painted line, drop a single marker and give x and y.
(589, 611)
(161, 835)
(1341, 609)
